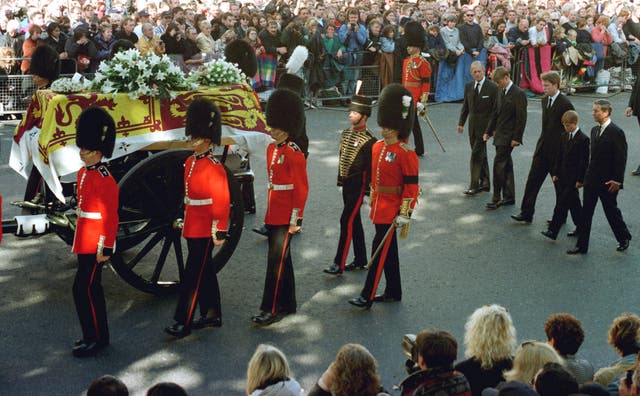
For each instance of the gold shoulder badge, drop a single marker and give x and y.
(294, 146)
(405, 147)
(103, 171)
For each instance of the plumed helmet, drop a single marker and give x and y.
(285, 111)
(45, 63)
(414, 34)
(204, 120)
(396, 109)
(241, 52)
(292, 83)
(96, 130)
(361, 104)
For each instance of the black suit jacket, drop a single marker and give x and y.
(553, 133)
(509, 121)
(479, 108)
(608, 156)
(571, 164)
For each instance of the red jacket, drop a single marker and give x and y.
(97, 211)
(416, 76)
(394, 177)
(207, 199)
(288, 186)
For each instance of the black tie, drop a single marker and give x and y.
(549, 103)
(477, 88)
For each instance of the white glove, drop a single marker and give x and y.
(401, 220)
(420, 107)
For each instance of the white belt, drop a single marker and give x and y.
(280, 187)
(197, 202)
(89, 215)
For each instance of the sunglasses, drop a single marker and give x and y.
(470, 15)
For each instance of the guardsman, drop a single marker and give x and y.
(206, 218)
(354, 176)
(95, 237)
(394, 192)
(416, 76)
(287, 194)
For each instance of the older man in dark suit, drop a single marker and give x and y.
(604, 178)
(506, 127)
(480, 104)
(554, 105)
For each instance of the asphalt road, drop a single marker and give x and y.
(457, 258)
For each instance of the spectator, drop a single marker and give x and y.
(104, 42)
(512, 388)
(334, 58)
(107, 386)
(565, 335)
(205, 42)
(268, 374)
(149, 43)
(56, 39)
(386, 57)
(191, 53)
(141, 18)
(554, 380)
(243, 27)
(165, 19)
(450, 81)
(529, 359)
(490, 339)
(9, 92)
(353, 36)
(166, 389)
(173, 40)
(623, 336)
(29, 45)
(126, 33)
(268, 61)
(632, 389)
(225, 39)
(493, 46)
(255, 43)
(601, 38)
(520, 37)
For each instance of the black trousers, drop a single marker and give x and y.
(568, 201)
(478, 164)
(200, 283)
(503, 183)
(611, 211)
(279, 285)
(388, 260)
(88, 297)
(351, 225)
(417, 136)
(540, 168)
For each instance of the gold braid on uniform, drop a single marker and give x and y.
(413, 68)
(351, 143)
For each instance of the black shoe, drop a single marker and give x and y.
(361, 302)
(550, 234)
(522, 218)
(262, 230)
(576, 250)
(266, 318)
(622, 246)
(573, 233)
(491, 206)
(334, 269)
(485, 188)
(636, 172)
(87, 349)
(203, 322)
(178, 330)
(353, 266)
(507, 202)
(385, 298)
(471, 191)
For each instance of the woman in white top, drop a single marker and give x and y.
(205, 42)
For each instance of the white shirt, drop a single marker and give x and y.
(508, 87)
(604, 126)
(537, 37)
(478, 85)
(552, 99)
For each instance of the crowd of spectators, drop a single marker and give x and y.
(493, 364)
(342, 36)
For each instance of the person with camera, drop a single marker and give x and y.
(353, 36)
(149, 42)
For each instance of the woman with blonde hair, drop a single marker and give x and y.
(490, 340)
(529, 359)
(624, 336)
(268, 374)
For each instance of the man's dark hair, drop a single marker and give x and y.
(107, 385)
(566, 332)
(438, 348)
(166, 389)
(555, 380)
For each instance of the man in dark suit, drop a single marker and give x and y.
(480, 104)
(568, 175)
(554, 105)
(506, 127)
(604, 177)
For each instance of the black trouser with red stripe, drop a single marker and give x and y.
(387, 258)
(279, 285)
(200, 283)
(88, 297)
(351, 226)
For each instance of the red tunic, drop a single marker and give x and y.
(394, 177)
(288, 186)
(416, 76)
(97, 211)
(207, 197)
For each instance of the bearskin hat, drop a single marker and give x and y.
(96, 130)
(204, 120)
(45, 63)
(361, 104)
(285, 111)
(414, 34)
(241, 53)
(396, 109)
(292, 83)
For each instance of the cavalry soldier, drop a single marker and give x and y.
(287, 194)
(354, 175)
(207, 203)
(95, 236)
(416, 76)
(394, 192)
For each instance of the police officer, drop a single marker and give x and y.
(354, 175)
(96, 227)
(207, 204)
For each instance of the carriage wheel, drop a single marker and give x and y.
(150, 252)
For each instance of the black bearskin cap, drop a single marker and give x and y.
(240, 52)
(96, 130)
(361, 104)
(204, 120)
(414, 34)
(285, 111)
(396, 109)
(292, 82)
(45, 63)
